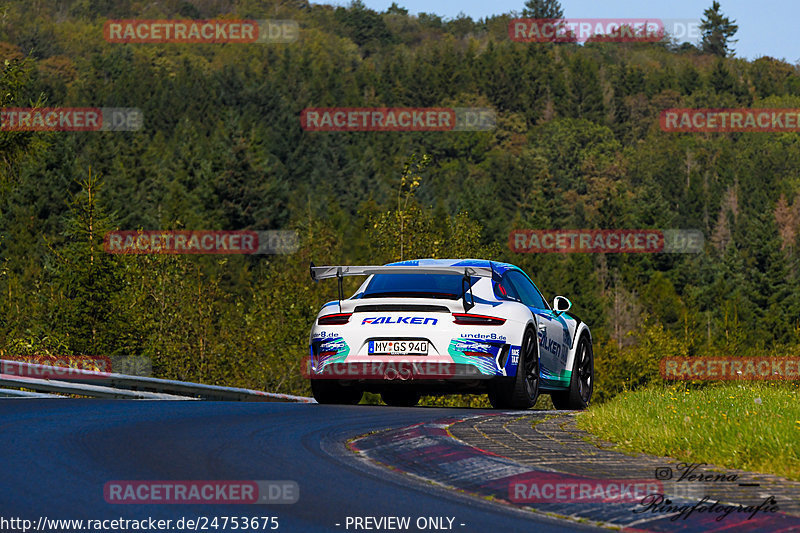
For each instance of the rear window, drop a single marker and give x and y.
(416, 286)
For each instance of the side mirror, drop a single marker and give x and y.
(561, 304)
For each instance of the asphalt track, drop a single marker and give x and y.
(59, 454)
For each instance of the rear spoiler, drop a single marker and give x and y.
(327, 272)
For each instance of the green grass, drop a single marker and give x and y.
(751, 426)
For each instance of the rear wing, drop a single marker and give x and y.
(328, 272)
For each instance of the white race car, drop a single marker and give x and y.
(441, 326)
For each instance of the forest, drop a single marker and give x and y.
(577, 143)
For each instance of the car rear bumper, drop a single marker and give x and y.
(400, 370)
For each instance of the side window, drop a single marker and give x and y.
(505, 291)
(529, 294)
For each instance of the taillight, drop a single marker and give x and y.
(468, 319)
(336, 319)
(476, 354)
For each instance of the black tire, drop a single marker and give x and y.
(332, 392)
(400, 397)
(581, 384)
(523, 391)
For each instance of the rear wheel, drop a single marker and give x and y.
(522, 392)
(582, 381)
(400, 397)
(333, 392)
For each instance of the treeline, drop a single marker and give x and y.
(577, 145)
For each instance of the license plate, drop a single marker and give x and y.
(398, 347)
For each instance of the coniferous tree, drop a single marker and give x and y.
(718, 31)
(85, 277)
(543, 9)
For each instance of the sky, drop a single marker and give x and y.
(766, 27)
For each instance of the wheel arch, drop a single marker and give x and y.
(582, 330)
(529, 323)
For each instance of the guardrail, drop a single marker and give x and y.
(110, 385)
(11, 393)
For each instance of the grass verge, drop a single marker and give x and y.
(751, 426)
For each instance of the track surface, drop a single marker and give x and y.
(58, 455)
